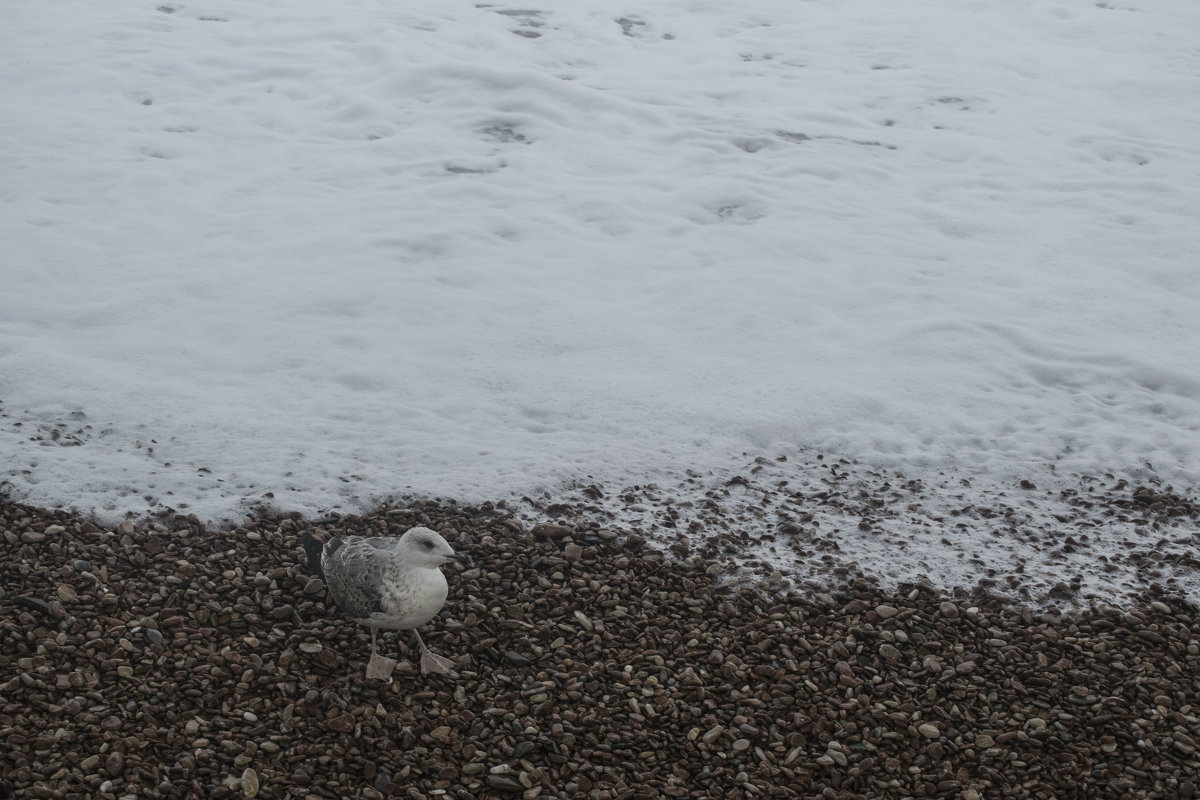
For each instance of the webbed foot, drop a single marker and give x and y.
(432, 662)
(380, 668)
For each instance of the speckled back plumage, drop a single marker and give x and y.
(385, 582)
(357, 571)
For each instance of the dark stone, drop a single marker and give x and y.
(504, 783)
(516, 659)
(35, 603)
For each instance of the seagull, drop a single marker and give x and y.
(387, 582)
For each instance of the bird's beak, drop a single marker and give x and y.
(463, 559)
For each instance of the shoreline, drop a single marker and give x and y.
(191, 662)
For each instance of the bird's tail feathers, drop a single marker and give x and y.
(313, 549)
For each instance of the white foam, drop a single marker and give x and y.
(318, 255)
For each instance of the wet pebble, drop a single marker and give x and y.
(250, 784)
(34, 603)
(504, 783)
(516, 659)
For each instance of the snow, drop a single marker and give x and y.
(318, 255)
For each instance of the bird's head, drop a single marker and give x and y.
(427, 548)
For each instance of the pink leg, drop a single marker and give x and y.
(379, 667)
(430, 661)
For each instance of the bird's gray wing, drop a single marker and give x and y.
(356, 571)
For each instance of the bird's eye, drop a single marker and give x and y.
(428, 545)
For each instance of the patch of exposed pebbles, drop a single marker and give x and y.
(171, 661)
(1067, 541)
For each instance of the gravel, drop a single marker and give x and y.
(164, 659)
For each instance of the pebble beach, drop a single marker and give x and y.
(167, 659)
(812, 386)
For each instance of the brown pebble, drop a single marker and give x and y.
(343, 723)
(550, 531)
